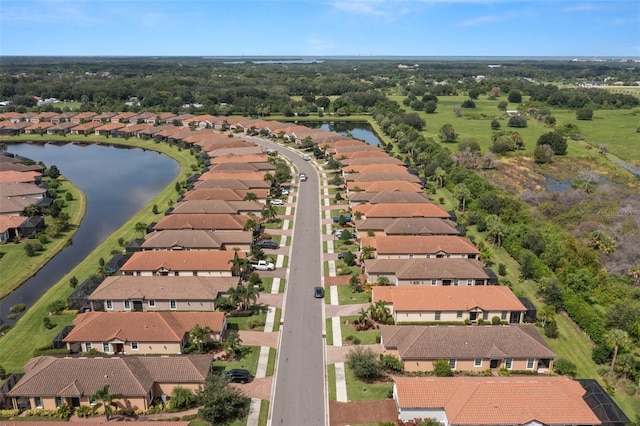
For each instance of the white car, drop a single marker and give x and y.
(276, 202)
(284, 191)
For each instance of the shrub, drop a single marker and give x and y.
(495, 124)
(6, 414)
(601, 353)
(182, 398)
(364, 364)
(584, 114)
(43, 239)
(496, 320)
(391, 363)
(515, 96)
(551, 330)
(20, 307)
(555, 140)
(47, 323)
(564, 367)
(502, 269)
(441, 368)
(84, 411)
(542, 154)
(63, 412)
(56, 307)
(518, 121)
(468, 103)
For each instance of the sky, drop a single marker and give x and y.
(566, 28)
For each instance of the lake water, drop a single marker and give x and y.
(357, 130)
(117, 182)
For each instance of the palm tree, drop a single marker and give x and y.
(461, 192)
(547, 313)
(439, 174)
(269, 212)
(367, 252)
(244, 295)
(232, 343)
(616, 338)
(105, 400)
(252, 225)
(199, 335)
(495, 228)
(250, 196)
(239, 266)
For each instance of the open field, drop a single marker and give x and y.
(19, 342)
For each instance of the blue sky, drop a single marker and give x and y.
(597, 28)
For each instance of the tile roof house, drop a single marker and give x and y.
(233, 184)
(205, 263)
(130, 293)
(12, 176)
(408, 226)
(424, 209)
(371, 160)
(210, 222)
(9, 226)
(233, 147)
(387, 197)
(218, 207)
(428, 304)
(206, 192)
(195, 239)
(412, 246)
(20, 189)
(530, 401)
(374, 168)
(233, 174)
(53, 381)
(430, 272)
(468, 348)
(382, 176)
(140, 333)
(380, 186)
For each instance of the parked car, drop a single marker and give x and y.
(284, 191)
(263, 265)
(266, 244)
(238, 375)
(338, 233)
(303, 177)
(342, 255)
(276, 202)
(306, 157)
(318, 292)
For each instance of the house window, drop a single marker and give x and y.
(438, 315)
(176, 273)
(508, 363)
(87, 346)
(152, 303)
(195, 273)
(109, 304)
(134, 346)
(456, 282)
(448, 255)
(530, 363)
(37, 401)
(173, 304)
(452, 363)
(477, 362)
(463, 256)
(434, 282)
(138, 273)
(503, 315)
(485, 315)
(428, 256)
(59, 402)
(127, 304)
(472, 256)
(105, 347)
(469, 282)
(459, 314)
(410, 255)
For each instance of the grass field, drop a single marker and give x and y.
(17, 267)
(361, 391)
(19, 342)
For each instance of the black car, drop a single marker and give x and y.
(318, 292)
(342, 255)
(238, 375)
(267, 244)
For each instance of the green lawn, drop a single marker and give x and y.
(361, 391)
(276, 320)
(264, 413)
(16, 266)
(346, 297)
(368, 337)
(248, 361)
(244, 323)
(271, 364)
(17, 345)
(331, 381)
(329, 330)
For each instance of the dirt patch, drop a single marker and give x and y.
(362, 412)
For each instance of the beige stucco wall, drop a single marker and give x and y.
(164, 305)
(415, 256)
(424, 316)
(183, 273)
(144, 348)
(466, 365)
(49, 403)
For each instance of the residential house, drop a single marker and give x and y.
(526, 401)
(382, 186)
(61, 118)
(233, 146)
(61, 128)
(197, 239)
(82, 117)
(218, 207)
(233, 174)
(107, 128)
(233, 184)
(12, 176)
(123, 117)
(104, 117)
(388, 197)
(427, 246)
(31, 227)
(408, 226)
(86, 128)
(20, 190)
(431, 272)
(210, 222)
(450, 304)
(383, 176)
(159, 293)
(210, 192)
(394, 210)
(9, 226)
(140, 333)
(371, 160)
(209, 263)
(468, 348)
(241, 166)
(38, 127)
(50, 381)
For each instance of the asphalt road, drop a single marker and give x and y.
(299, 396)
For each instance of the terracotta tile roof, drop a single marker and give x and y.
(90, 125)
(110, 126)
(232, 147)
(465, 342)
(20, 189)
(162, 288)
(247, 158)
(195, 260)
(371, 160)
(104, 116)
(426, 269)
(216, 206)
(424, 244)
(10, 222)
(387, 197)
(448, 298)
(382, 176)
(83, 115)
(214, 222)
(123, 116)
(206, 192)
(360, 154)
(195, 239)
(338, 143)
(141, 326)
(12, 176)
(393, 210)
(381, 186)
(233, 174)
(16, 205)
(129, 376)
(249, 167)
(39, 125)
(498, 400)
(205, 137)
(232, 184)
(409, 226)
(375, 168)
(350, 149)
